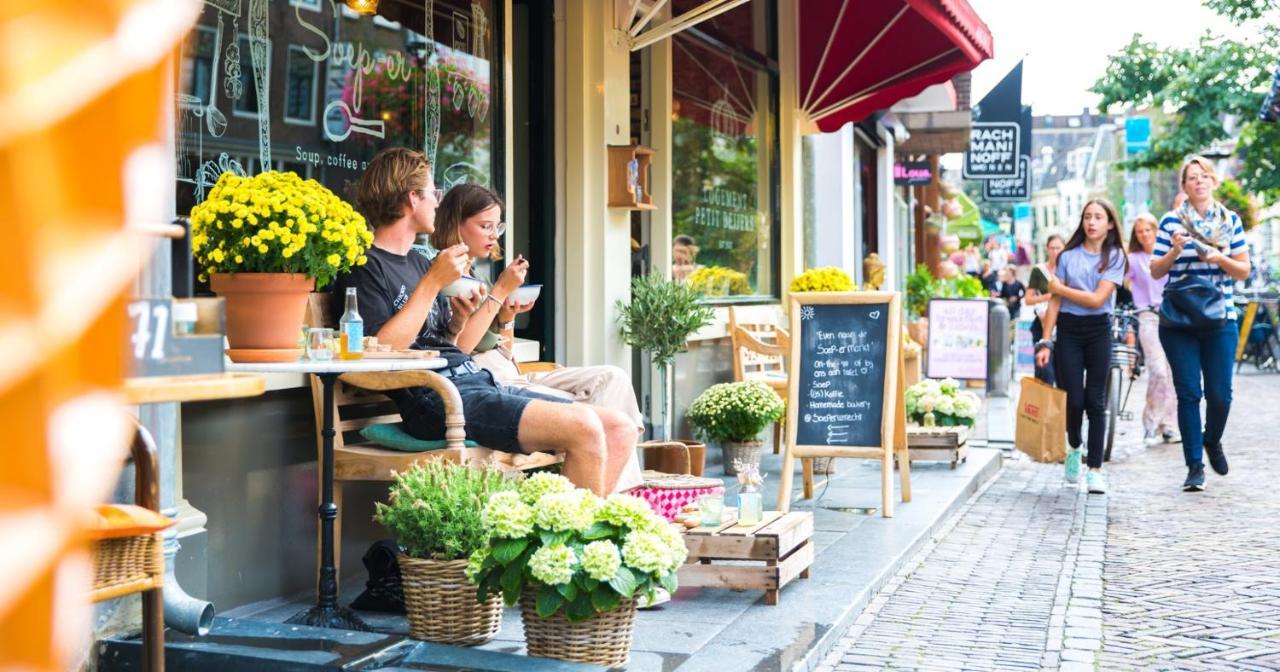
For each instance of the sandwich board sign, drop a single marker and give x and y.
(846, 392)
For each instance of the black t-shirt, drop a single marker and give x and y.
(383, 286)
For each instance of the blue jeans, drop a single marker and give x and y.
(1193, 353)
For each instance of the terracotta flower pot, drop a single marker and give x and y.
(264, 310)
(677, 456)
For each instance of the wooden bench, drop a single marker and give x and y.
(780, 548)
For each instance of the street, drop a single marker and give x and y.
(1034, 574)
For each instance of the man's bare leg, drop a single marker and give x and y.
(574, 430)
(620, 443)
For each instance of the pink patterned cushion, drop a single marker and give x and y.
(667, 502)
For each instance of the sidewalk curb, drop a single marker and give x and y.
(815, 657)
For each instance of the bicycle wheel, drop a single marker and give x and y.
(1114, 379)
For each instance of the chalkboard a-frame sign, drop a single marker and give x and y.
(846, 395)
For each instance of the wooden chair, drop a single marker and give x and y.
(132, 563)
(760, 353)
(359, 400)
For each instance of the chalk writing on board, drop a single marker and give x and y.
(841, 372)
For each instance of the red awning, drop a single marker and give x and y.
(859, 56)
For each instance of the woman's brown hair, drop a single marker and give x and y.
(459, 204)
(1112, 243)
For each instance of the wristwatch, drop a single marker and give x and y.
(1044, 343)
(506, 326)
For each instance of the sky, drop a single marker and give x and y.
(1066, 44)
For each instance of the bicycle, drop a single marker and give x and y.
(1124, 357)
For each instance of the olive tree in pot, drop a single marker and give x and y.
(659, 320)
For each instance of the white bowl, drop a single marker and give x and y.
(463, 285)
(524, 294)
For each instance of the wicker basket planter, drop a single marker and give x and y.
(603, 640)
(746, 452)
(824, 465)
(441, 603)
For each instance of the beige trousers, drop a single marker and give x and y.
(603, 386)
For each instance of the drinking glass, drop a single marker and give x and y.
(318, 344)
(712, 508)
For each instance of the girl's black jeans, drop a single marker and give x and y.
(1082, 357)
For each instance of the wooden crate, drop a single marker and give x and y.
(779, 548)
(940, 444)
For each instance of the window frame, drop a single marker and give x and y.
(247, 74)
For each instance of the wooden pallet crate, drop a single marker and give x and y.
(779, 550)
(938, 444)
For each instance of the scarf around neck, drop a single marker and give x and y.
(1214, 225)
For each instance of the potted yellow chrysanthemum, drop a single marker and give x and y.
(263, 243)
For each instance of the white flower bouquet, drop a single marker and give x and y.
(581, 554)
(950, 406)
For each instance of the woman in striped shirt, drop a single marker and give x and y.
(1196, 352)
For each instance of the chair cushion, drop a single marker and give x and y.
(392, 435)
(112, 521)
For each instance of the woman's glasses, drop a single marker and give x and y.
(492, 228)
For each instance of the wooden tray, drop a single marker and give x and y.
(402, 354)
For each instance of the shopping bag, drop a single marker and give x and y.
(1042, 421)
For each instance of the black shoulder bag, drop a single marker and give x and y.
(1193, 302)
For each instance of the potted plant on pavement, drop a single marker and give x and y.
(434, 511)
(263, 243)
(734, 414)
(659, 320)
(576, 564)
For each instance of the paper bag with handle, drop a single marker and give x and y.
(1042, 421)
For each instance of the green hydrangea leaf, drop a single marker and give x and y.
(603, 598)
(506, 550)
(624, 582)
(549, 600)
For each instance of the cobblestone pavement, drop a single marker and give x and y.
(1032, 574)
(1192, 580)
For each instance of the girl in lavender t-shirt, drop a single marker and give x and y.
(1089, 269)
(1160, 415)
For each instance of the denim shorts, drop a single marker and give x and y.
(492, 411)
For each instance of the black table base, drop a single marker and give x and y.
(327, 613)
(335, 616)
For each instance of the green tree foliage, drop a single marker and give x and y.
(1204, 86)
(1234, 196)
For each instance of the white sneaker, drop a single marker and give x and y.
(660, 596)
(1095, 482)
(1152, 438)
(1171, 436)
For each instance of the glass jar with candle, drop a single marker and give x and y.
(750, 498)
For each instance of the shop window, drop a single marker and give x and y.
(421, 82)
(724, 155)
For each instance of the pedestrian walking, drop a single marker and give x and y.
(1039, 302)
(1160, 414)
(1091, 266)
(1200, 246)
